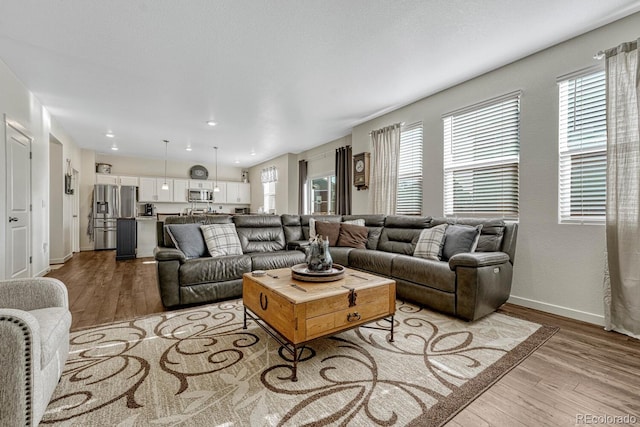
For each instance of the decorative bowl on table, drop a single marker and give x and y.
(303, 273)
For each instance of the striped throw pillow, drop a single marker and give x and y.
(221, 239)
(431, 242)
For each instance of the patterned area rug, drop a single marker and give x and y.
(198, 367)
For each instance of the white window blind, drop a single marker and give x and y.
(409, 196)
(481, 159)
(269, 202)
(582, 142)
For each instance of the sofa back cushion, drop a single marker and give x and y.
(163, 236)
(401, 233)
(260, 233)
(292, 228)
(491, 235)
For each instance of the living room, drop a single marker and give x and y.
(559, 267)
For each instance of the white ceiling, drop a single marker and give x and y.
(278, 76)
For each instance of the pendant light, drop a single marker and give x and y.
(216, 189)
(165, 186)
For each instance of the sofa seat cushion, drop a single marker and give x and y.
(376, 262)
(276, 259)
(340, 255)
(426, 272)
(54, 323)
(218, 269)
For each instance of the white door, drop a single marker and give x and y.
(75, 213)
(18, 247)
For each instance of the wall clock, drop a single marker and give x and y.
(198, 172)
(361, 171)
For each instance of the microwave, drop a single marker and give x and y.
(200, 195)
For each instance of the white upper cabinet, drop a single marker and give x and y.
(181, 190)
(220, 196)
(201, 184)
(150, 190)
(238, 192)
(164, 195)
(128, 180)
(103, 178)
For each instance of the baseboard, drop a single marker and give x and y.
(61, 260)
(596, 319)
(43, 272)
(86, 248)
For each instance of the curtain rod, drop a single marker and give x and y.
(599, 55)
(401, 124)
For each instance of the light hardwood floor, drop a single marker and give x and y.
(581, 372)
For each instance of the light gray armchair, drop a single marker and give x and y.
(34, 345)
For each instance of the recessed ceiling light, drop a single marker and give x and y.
(253, 153)
(110, 135)
(188, 148)
(211, 123)
(114, 147)
(237, 161)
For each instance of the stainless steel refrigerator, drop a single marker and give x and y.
(105, 216)
(128, 201)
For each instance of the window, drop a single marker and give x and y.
(269, 178)
(582, 143)
(269, 189)
(409, 196)
(481, 159)
(323, 195)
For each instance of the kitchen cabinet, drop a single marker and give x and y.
(238, 192)
(220, 196)
(103, 178)
(128, 180)
(181, 190)
(164, 195)
(126, 239)
(150, 190)
(201, 184)
(146, 237)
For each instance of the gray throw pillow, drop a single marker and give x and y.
(459, 239)
(188, 238)
(221, 239)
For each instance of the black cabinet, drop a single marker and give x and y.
(126, 239)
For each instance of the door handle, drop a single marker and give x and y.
(13, 218)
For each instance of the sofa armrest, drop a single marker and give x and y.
(299, 245)
(477, 259)
(33, 293)
(21, 390)
(169, 254)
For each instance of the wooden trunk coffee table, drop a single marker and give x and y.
(299, 312)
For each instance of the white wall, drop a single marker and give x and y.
(558, 268)
(321, 162)
(20, 105)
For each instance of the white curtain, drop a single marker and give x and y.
(622, 273)
(269, 174)
(384, 170)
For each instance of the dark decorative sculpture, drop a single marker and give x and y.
(318, 256)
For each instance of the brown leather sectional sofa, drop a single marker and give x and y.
(468, 285)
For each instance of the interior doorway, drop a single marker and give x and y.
(18, 198)
(75, 211)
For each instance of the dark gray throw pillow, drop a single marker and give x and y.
(188, 238)
(459, 239)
